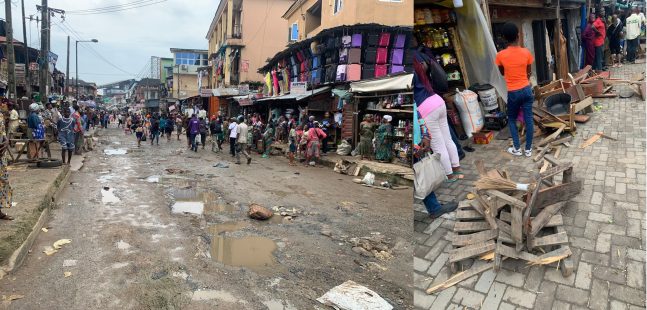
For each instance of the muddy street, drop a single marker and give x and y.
(160, 227)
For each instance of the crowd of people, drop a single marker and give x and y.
(616, 35)
(305, 137)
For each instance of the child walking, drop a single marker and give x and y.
(514, 63)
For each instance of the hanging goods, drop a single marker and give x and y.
(353, 72)
(381, 70)
(341, 73)
(346, 41)
(356, 40)
(470, 111)
(385, 39)
(397, 56)
(382, 55)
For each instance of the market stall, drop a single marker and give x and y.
(391, 96)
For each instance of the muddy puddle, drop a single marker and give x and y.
(228, 226)
(253, 252)
(108, 196)
(115, 151)
(191, 207)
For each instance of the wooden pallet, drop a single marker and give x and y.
(473, 235)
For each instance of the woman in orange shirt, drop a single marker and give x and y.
(514, 64)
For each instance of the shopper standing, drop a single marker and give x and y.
(600, 29)
(241, 140)
(193, 129)
(514, 63)
(634, 24)
(614, 33)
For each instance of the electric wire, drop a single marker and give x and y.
(118, 9)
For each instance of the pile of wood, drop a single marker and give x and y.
(508, 223)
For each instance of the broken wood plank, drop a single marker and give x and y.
(481, 206)
(555, 220)
(517, 227)
(552, 256)
(463, 240)
(467, 227)
(583, 104)
(475, 270)
(561, 140)
(511, 200)
(558, 193)
(548, 114)
(539, 222)
(554, 239)
(504, 237)
(552, 136)
(542, 153)
(468, 214)
(556, 170)
(503, 226)
(471, 250)
(558, 151)
(611, 95)
(507, 251)
(552, 160)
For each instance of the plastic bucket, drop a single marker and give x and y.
(488, 97)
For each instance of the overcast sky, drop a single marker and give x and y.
(127, 38)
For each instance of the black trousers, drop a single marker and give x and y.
(232, 146)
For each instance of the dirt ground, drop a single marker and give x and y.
(160, 227)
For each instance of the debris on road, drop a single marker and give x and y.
(221, 165)
(69, 263)
(283, 211)
(67, 274)
(175, 171)
(515, 223)
(44, 229)
(49, 251)
(258, 212)
(352, 296)
(58, 244)
(595, 138)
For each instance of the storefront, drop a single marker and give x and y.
(393, 96)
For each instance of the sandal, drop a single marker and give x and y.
(6, 217)
(451, 180)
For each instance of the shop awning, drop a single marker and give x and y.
(219, 92)
(393, 83)
(297, 97)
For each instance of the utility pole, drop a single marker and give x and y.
(44, 51)
(27, 62)
(11, 59)
(67, 69)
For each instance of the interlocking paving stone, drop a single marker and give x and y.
(605, 224)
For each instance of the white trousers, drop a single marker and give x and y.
(441, 139)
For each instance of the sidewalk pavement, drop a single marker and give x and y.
(605, 225)
(34, 194)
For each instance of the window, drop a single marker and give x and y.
(294, 32)
(193, 59)
(338, 6)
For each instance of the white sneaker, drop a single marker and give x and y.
(528, 153)
(513, 151)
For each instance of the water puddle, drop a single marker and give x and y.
(250, 252)
(192, 207)
(213, 207)
(115, 151)
(105, 178)
(225, 227)
(153, 179)
(108, 196)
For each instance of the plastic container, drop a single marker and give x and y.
(488, 96)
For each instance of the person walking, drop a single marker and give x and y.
(217, 136)
(232, 137)
(139, 131)
(193, 129)
(203, 132)
(268, 139)
(241, 140)
(179, 122)
(66, 139)
(168, 129)
(14, 121)
(634, 24)
(155, 130)
(313, 147)
(614, 33)
(514, 63)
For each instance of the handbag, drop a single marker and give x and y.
(429, 174)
